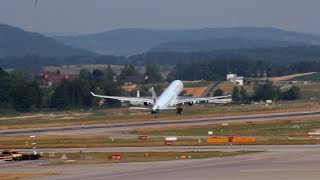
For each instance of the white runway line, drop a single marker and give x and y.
(278, 170)
(187, 167)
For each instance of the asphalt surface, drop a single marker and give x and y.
(112, 127)
(278, 162)
(275, 148)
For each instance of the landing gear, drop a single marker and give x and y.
(155, 113)
(179, 110)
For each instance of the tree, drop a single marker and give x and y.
(85, 74)
(218, 92)
(97, 73)
(292, 94)
(235, 94)
(243, 94)
(61, 97)
(153, 71)
(26, 96)
(110, 73)
(266, 91)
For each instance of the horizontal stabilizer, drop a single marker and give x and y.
(139, 108)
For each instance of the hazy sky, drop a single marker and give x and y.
(86, 16)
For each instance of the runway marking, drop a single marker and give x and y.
(83, 132)
(188, 167)
(112, 126)
(277, 170)
(11, 163)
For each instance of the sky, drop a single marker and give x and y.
(90, 16)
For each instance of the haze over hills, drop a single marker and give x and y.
(221, 44)
(17, 42)
(134, 41)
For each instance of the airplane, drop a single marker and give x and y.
(167, 100)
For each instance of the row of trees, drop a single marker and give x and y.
(217, 69)
(264, 92)
(22, 93)
(152, 71)
(18, 94)
(275, 57)
(76, 93)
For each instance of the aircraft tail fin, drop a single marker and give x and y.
(154, 96)
(138, 93)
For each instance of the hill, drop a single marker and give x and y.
(17, 42)
(289, 77)
(135, 41)
(220, 44)
(274, 55)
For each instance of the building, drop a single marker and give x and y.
(138, 79)
(53, 79)
(237, 80)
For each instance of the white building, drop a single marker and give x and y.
(238, 80)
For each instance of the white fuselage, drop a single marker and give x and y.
(168, 97)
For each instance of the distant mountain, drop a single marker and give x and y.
(274, 55)
(53, 34)
(134, 41)
(220, 44)
(17, 42)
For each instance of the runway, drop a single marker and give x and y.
(273, 148)
(112, 127)
(292, 162)
(278, 162)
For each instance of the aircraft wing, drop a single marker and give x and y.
(184, 99)
(121, 98)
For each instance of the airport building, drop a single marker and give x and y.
(237, 80)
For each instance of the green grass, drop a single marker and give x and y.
(265, 132)
(310, 92)
(197, 84)
(85, 141)
(311, 77)
(94, 158)
(14, 176)
(124, 115)
(283, 128)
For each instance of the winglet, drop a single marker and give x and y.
(154, 96)
(93, 94)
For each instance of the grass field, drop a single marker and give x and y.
(267, 132)
(196, 83)
(13, 176)
(94, 158)
(104, 116)
(98, 142)
(310, 92)
(83, 142)
(310, 77)
(289, 77)
(297, 127)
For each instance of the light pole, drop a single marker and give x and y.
(34, 145)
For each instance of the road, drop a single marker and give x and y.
(115, 127)
(278, 162)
